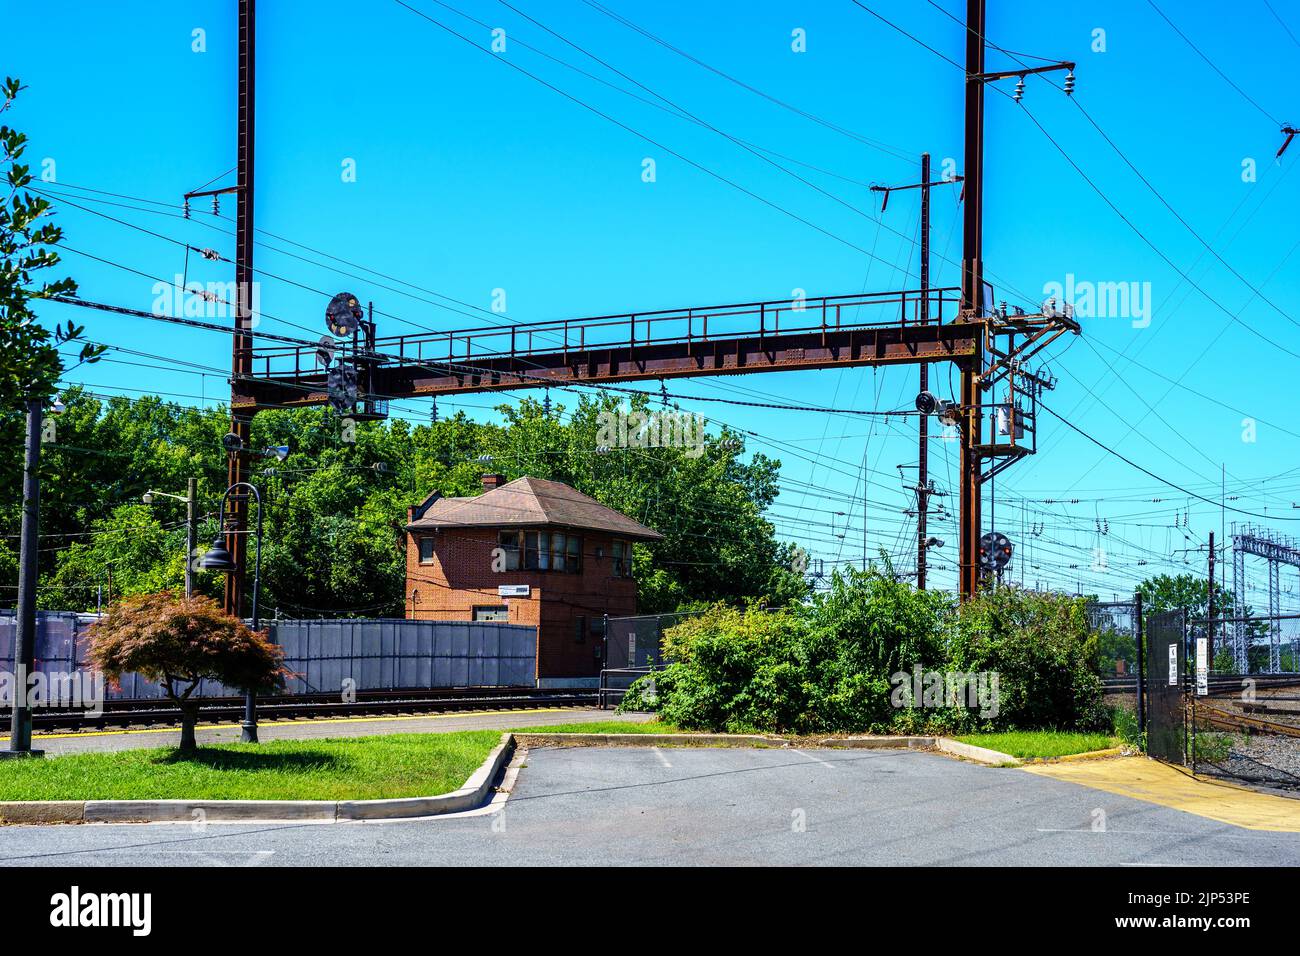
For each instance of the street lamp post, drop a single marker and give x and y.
(218, 558)
(190, 498)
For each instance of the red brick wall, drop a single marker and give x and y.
(460, 577)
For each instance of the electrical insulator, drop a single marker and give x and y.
(546, 404)
(1020, 89)
(433, 413)
(1069, 83)
(185, 209)
(216, 206)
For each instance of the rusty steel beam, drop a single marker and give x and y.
(868, 346)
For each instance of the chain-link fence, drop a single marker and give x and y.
(1244, 727)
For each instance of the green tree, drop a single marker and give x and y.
(30, 363)
(1183, 592)
(177, 642)
(335, 510)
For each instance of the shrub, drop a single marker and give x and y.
(177, 642)
(1044, 653)
(836, 663)
(734, 671)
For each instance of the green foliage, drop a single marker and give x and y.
(735, 671)
(1125, 726)
(844, 662)
(30, 363)
(1041, 647)
(335, 510)
(1209, 747)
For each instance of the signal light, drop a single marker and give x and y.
(995, 551)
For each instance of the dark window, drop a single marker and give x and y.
(542, 551)
(621, 555)
(426, 551)
(580, 629)
(509, 542)
(492, 612)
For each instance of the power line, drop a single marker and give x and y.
(1197, 50)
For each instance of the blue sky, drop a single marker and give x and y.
(471, 176)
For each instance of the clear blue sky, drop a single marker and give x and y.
(471, 176)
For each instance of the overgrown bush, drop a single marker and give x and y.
(844, 662)
(1045, 656)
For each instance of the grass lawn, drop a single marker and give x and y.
(1028, 744)
(603, 727)
(353, 768)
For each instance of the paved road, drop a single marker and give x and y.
(54, 744)
(641, 806)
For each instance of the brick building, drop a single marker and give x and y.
(529, 551)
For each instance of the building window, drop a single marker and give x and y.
(426, 550)
(580, 629)
(542, 551)
(621, 554)
(492, 612)
(511, 543)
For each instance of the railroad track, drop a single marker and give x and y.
(1226, 720)
(1217, 685)
(146, 713)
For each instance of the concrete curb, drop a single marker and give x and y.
(470, 795)
(879, 743)
(649, 740)
(982, 755)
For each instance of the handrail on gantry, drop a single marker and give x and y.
(633, 329)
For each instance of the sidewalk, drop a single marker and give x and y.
(1154, 782)
(54, 744)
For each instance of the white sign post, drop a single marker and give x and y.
(1202, 667)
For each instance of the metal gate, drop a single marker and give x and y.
(633, 647)
(1166, 669)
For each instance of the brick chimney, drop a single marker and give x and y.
(491, 481)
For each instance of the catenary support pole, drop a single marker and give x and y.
(241, 359)
(972, 283)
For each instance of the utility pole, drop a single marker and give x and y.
(923, 452)
(241, 359)
(20, 727)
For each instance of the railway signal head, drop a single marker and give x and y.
(926, 403)
(343, 314)
(995, 551)
(325, 349)
(341, 384)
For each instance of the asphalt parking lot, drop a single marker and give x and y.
(648, 806)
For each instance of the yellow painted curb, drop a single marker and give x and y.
(1153, 782)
